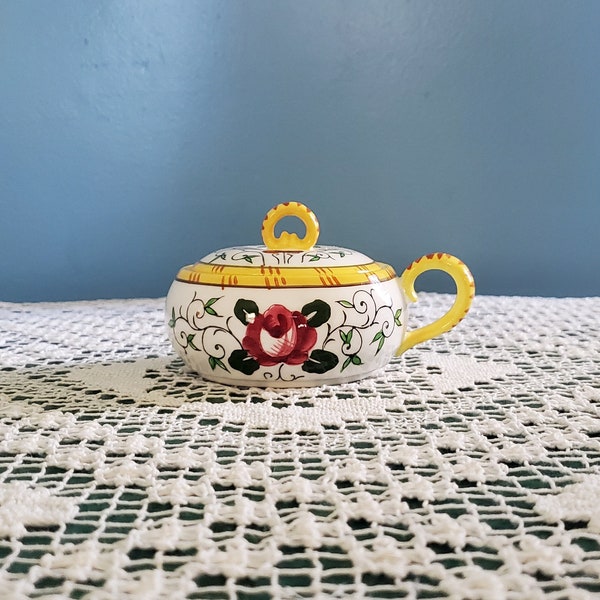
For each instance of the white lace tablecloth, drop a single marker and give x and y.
(469, 468)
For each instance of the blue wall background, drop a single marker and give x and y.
(137, 136)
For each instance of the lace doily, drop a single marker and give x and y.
(469, 468)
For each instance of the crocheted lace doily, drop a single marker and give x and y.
(469, 468)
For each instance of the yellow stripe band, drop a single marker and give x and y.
(285, 277)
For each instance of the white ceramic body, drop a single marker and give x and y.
(332, 334)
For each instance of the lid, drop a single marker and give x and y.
(287, 260)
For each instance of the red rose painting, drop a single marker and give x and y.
(279, 336)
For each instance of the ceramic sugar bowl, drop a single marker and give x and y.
(291, 313)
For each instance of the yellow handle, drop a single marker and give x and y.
(465, 292)
(290, 241)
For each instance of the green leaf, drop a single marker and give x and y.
(346, 362)
(173, 318)
(356, 360)
(208, 307)
(397, 317)
(243, 308)
(214, 362)
(316, 312)
(241, 361)
(247, 258)
(315, 257)
(320, 361)
(221, 364)
(190, 341)
(345, 303)
(346, 337)
(378, 336)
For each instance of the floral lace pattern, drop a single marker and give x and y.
(468, 468)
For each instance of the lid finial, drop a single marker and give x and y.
(290, 241)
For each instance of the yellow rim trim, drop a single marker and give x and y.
(465, 292)
(290, 241)
(285, 277)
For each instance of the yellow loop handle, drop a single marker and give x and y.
(290, 241)
(465, 292)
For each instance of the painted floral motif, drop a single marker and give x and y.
(381, 318)
(259, 256)
(279, 337)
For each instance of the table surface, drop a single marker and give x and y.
(468, 468)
